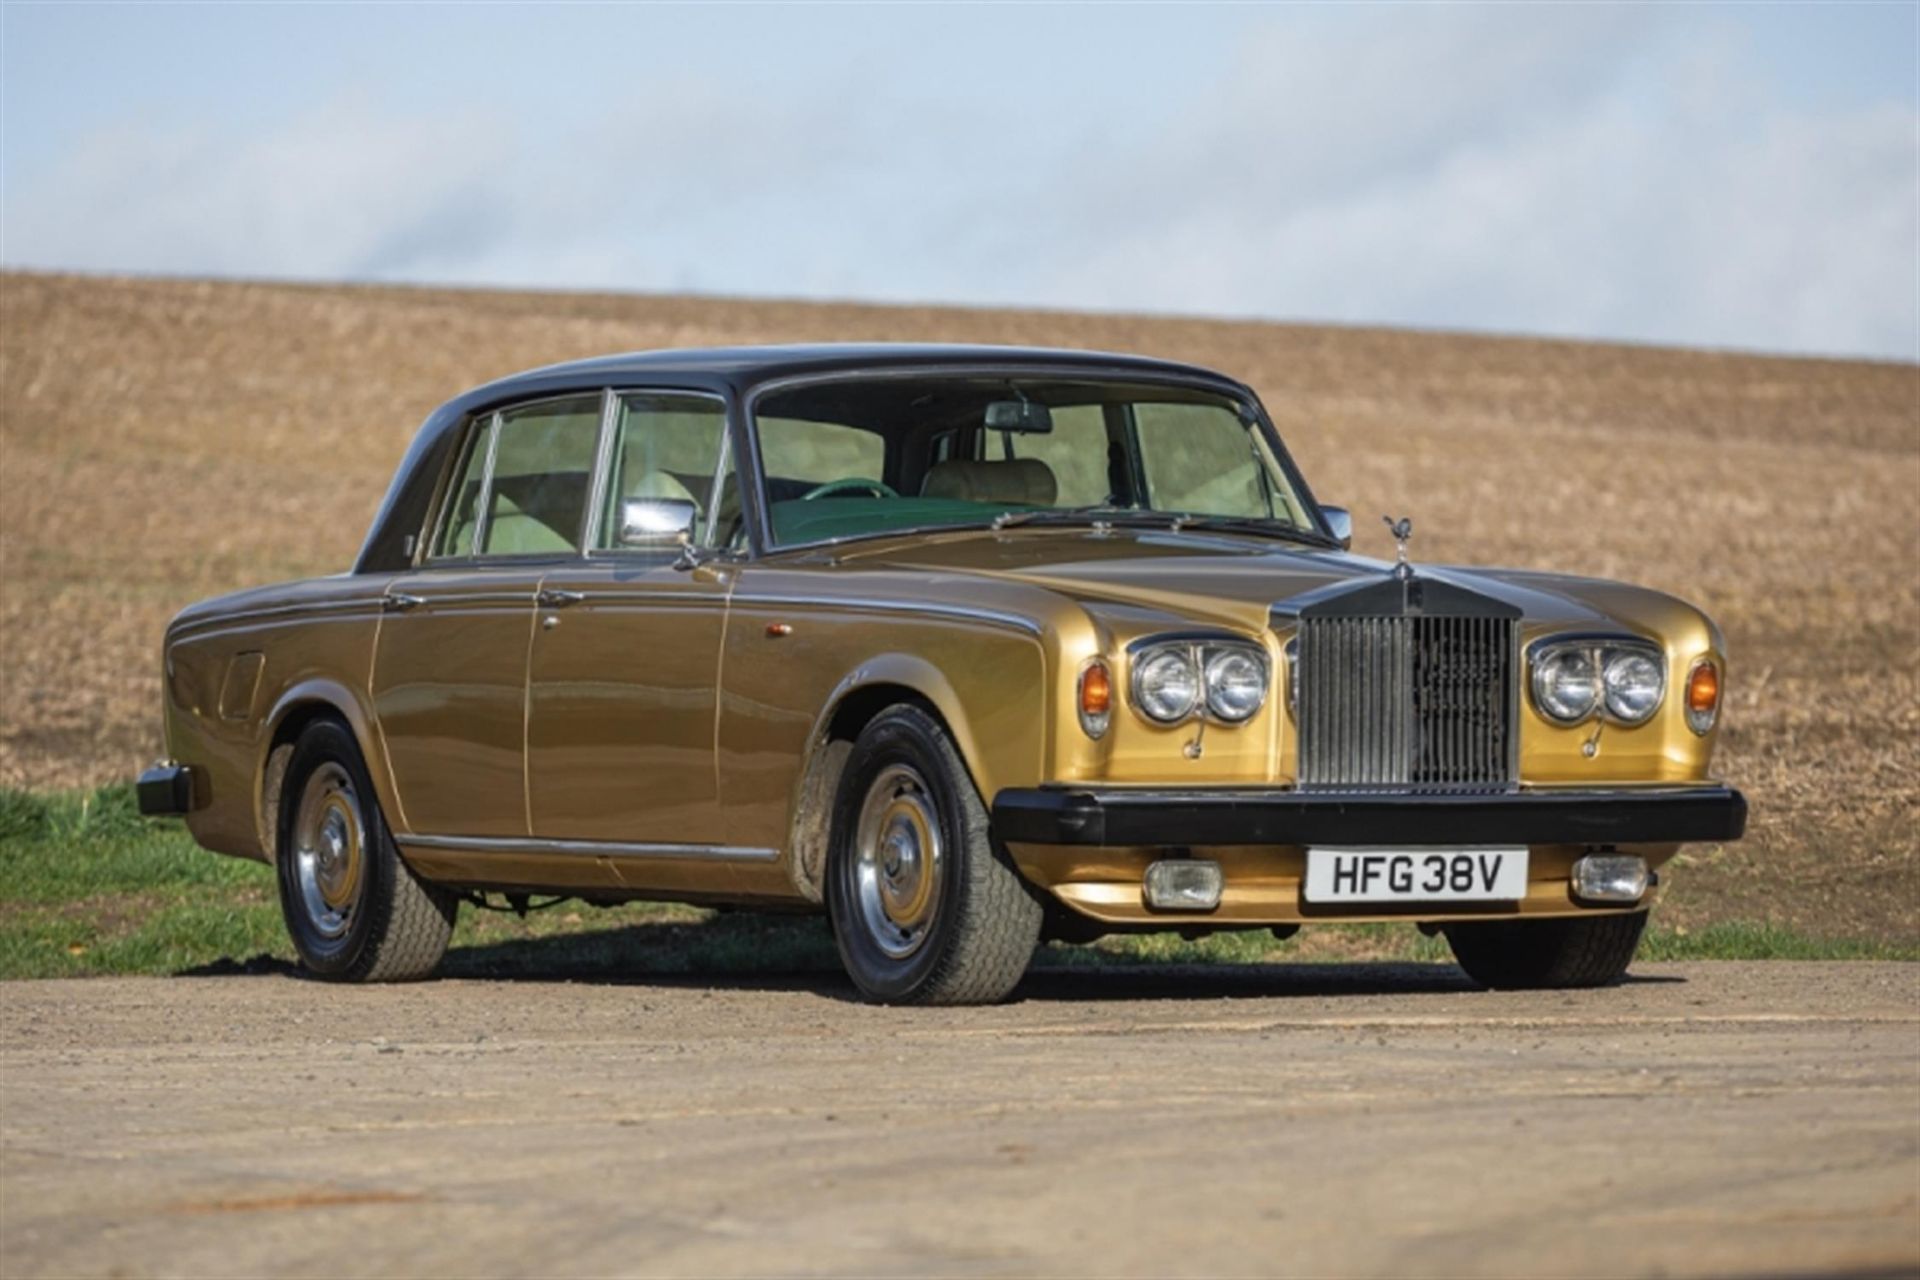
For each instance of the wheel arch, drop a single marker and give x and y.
(877, 684)
(297, 707)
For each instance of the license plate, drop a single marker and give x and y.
(1416, 875)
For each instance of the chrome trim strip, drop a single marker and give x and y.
(602, 464)
(372, 606)
(483, 518)
(710, 537)
(457, 599)
(346, 609)
(587, 848)
(604, 601)
(1597, 639)
(1198, 635)
(515, 561)
(1129, 791)
(862, 604)
(1516, 697)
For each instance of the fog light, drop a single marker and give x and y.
(1184, 884)
(1610, 877)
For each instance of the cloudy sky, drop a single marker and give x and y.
(1721, 175)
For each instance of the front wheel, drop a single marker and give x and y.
(924, 910)
(1531, 954)
(355, 911)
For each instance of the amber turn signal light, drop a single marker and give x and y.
(1096, 698)
(1703, 696)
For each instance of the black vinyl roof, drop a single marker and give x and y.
(742, 367)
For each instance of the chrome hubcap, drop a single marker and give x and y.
(329, 843)
(898, 859)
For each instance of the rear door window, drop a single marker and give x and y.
(523, 484)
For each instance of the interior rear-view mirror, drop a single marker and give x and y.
(1022, 417)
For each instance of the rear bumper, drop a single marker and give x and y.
(166, 790)
(1119, 817)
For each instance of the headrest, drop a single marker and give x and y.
(658, 484)
(1023, 481)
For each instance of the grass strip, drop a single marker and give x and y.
(88, 887)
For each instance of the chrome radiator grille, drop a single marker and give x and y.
(1412, 702)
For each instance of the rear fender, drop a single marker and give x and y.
(296, 705)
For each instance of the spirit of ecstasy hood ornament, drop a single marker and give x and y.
(1401, 529)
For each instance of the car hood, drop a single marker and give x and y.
(1230, 580)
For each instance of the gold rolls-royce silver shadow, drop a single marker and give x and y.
(966, 647)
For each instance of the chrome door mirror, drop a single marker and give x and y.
(1340, 521)
(656, 522)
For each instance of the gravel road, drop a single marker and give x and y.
(1753, 1119)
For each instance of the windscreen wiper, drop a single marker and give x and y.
(1173, 521)
(1259, 528)
(1093, 513)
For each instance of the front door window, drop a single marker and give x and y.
(668, 445)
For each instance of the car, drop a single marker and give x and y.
(966, 648)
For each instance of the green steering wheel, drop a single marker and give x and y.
(872, 488)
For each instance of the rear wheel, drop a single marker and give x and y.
(924, 909)
(1520, 954)
(354, 910)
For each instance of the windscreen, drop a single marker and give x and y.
(873, 456)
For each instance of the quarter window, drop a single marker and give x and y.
(463, 499)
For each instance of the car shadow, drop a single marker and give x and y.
(748, 951)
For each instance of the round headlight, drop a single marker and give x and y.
(1236, 684)
(1565, 685)
(1166, 685)
(1635, 684)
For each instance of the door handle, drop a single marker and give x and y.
(400, 602)
(556, 598)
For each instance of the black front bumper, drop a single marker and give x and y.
(1121, 816)
(165, 790)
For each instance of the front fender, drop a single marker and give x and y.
(924, 679)
(991, 752)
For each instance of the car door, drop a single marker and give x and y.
(622, 678)
(450, 665)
